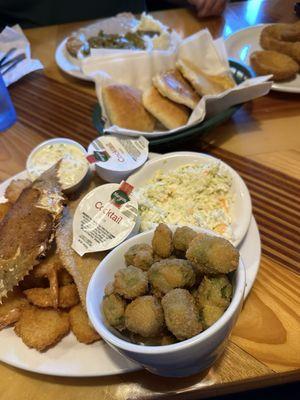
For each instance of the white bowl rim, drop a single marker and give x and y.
(241, 183)
(109, 337)
(59, 140)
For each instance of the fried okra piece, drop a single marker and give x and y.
(41, 328)
(81, 327)
(183, 237)
(214, 290)
(131, 282)
(181, 314)
(169, 274)
(162, 241)
(210, 314)
(213, 255)
(41, 297)
(145, 316)
(140, 256)
(114, 311)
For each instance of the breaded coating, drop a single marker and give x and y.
(15, 188)
(40, 329)
(131, 282)
(11, 307)
(4, 208)
(114, 311)
(41, 297)
(181, 314)
(267, 62)
(64, 278)
(183, 237)
(162, 241)
(210, 314)
(140, 256)
(109, 288)
(144, 316)
(169, 274)
(214, 290)
(213, 255)
(81, 327)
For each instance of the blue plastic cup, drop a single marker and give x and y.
(8, 114)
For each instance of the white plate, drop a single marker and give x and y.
(72, 359)
(241, 44)
(242, 210)
(65, 63)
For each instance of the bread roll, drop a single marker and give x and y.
(202, 82)
(124, 108)
(172, 85)
(170, 114)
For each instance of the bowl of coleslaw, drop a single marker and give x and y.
(193, 189)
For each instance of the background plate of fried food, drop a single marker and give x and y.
(270, 49)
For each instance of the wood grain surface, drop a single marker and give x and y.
(262, 143)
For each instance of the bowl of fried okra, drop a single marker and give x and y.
(168, 298)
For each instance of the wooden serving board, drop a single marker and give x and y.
(264, 348)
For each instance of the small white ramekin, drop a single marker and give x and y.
(85, 171)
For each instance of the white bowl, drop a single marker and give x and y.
(242, 208)
(76, 186)
(181, 359)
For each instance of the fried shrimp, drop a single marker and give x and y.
(81, 327)
(40, 328)
(42, 297)
(213, 255)
(144, 316)
(114, 311)
(183, 237)
(181, 314)
(140, 256)
(281, 66)
(169, 274)
(162, 241)
(130, 282)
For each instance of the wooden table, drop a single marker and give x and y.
(262, 142)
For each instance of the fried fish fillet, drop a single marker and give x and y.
(172, 85)
(40, 328)
(41, 297)
(4, 208)
(281, 66)
(81, 327)
(80, 268)
(27, 229)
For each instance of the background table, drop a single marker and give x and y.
(261, 141)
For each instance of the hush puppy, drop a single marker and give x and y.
(181, 314)
(169, 274)
(130, 282)
(144, 316)
(213, 255)
(162, 241)
(140, 256)
(114, 311)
